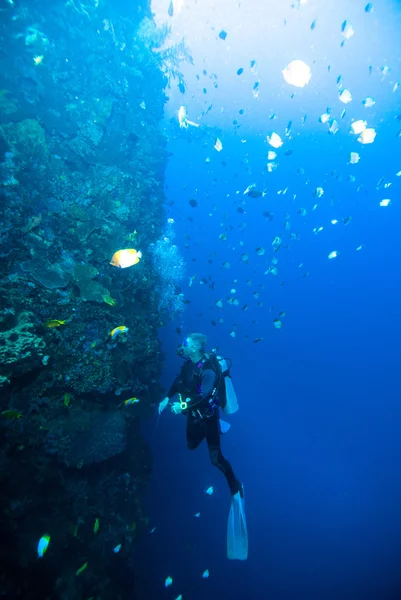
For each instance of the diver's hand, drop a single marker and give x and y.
(176, 408)
(163, 405)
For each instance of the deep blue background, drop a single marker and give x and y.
(317, 438)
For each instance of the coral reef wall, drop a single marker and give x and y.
(82, 162)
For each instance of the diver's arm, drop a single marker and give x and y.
(174, 389)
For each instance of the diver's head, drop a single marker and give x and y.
(193, 346)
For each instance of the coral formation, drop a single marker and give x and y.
(21, 349)
(81, 176)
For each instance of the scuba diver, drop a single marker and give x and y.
(199, 385)
(202, 386)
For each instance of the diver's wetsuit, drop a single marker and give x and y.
(197, 382)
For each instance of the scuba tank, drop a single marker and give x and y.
(230, 405)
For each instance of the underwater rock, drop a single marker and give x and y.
(26, 139)
(21, 349)
(50, 277)
(90, 291)
(104, 437)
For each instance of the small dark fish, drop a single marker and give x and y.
(256, 85)
(369, 8)
(193, 203)
(252, 63)
(257, 340)
(240, 210)
(204, 72)
(235, 122)
(171, 9)
(223, 34)
(288, 152)
(213, 323)
(268, 215)
(347, 220)
(245, 307)
(313, 24)
(241, 111)
(209, 108)
(178, 330)
(187, 301)
(240, 71)
(204, 90)
(181, 87)
(255, 194)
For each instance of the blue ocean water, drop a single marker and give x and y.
(316, 438)
(151, 127)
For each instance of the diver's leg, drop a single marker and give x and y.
(195, 432)
(216, 456)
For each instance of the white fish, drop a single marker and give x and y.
(297, 73)
(333, 254)
(333, 127)
(249, 188)
(345, 97)
(385, 202)
(354, 158)
(324, 117)
(183, 118)
(347, 30)
(274, 140)
(367, 136)
(358, 126)
(218, 145)
(368, 102)
(205, 574)
(168, 582)
(209, 491)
